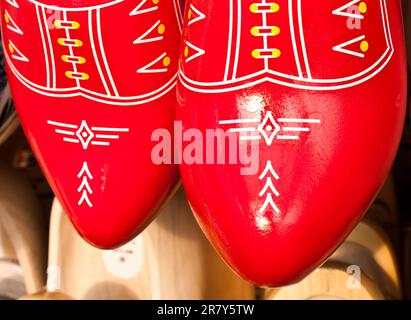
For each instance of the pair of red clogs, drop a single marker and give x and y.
(288, 117)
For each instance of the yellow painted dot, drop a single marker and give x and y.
(11, 49)
(85, 76)
(275, 7)
(363, 7)
(75, 25)
(68, 74)
(78, 43)
(6, 18)
(161, 28)
(61, 41)
(275, 31)
(255, 31)
(364, 46)
(189, 14)
(64, 58)
(82, 60)
(276, 53)
(57, 23)
(156, 1)
(186, 52)
(166, 61)
(254, 7)
(255, 53)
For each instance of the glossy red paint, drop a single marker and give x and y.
(92, 80)
(321, 86)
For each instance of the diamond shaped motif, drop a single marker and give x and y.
(269, 128)
(84, 134)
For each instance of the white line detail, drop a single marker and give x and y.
(19, 56)
(269, 202)
(137, 10)
(85, 171)
(270, 129)
(235, 121)
(200, 16)
(94, 50)
(341, 11)
(269, 186)
(342, 47)
(143, 38)
(103, 53)
(147, 68)
(11, 24)
(269, 170)
(86, 135)
(13, 3)
(199, 51)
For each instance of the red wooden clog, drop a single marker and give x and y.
(319, 88)
(92, 80)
